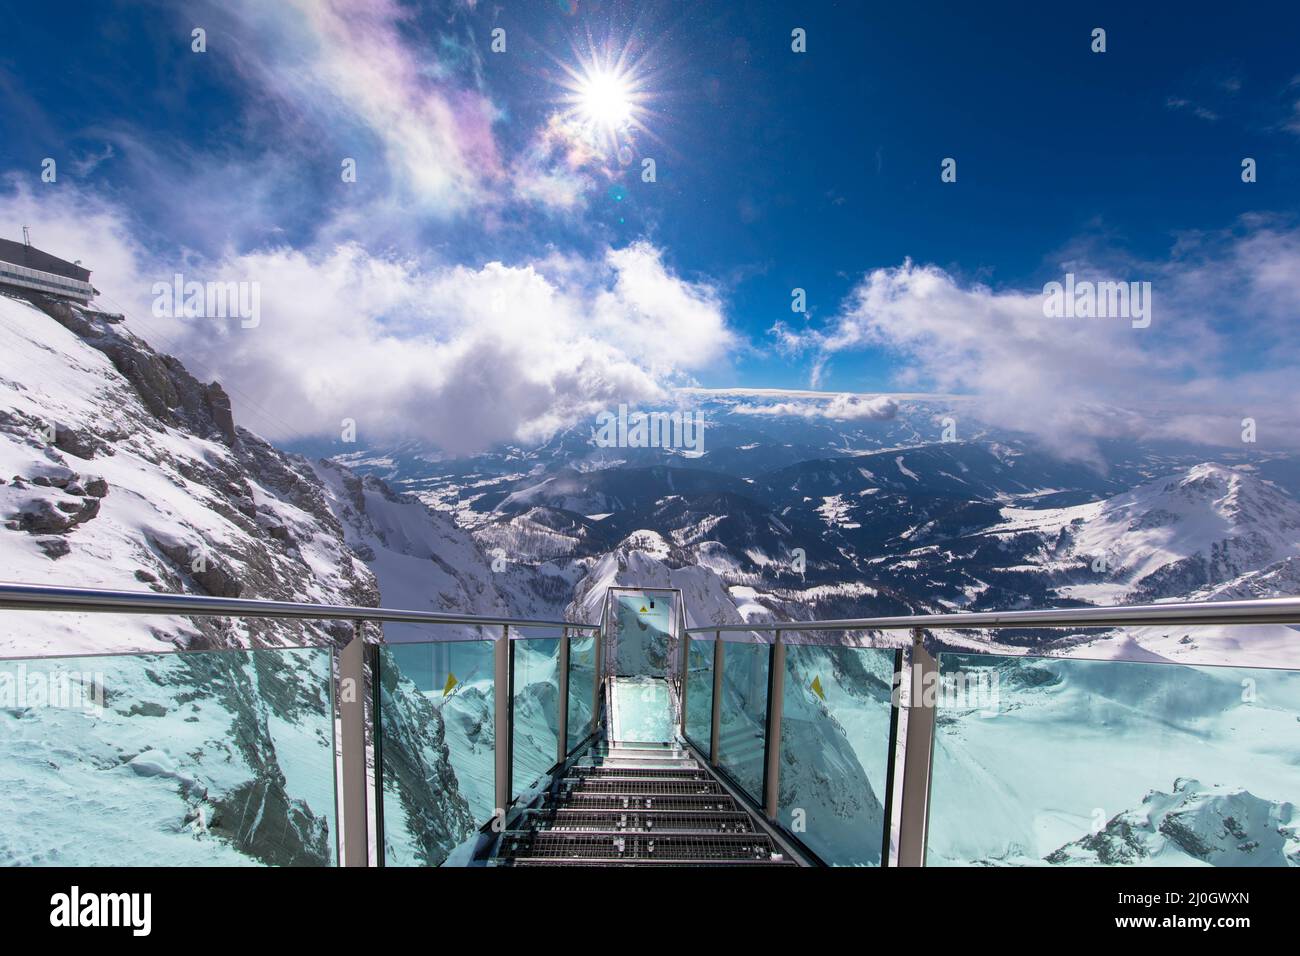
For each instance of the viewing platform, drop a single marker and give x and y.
(644, 739)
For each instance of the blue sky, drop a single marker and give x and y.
(775, 170)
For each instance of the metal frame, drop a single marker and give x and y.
(715, 719)
(41, 597)
(1284, 610)
(894, 711)
(354, 836)
(562, 724)
(917, 756)
(772, 729)
(503, 705)
(608, 629)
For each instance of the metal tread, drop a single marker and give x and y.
(578, 799)
(641, 820)
(618, 861)
(663, 773)
(643, 786)
(618, 845)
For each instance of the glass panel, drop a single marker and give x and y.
(437, 751)
(537, 709)
(1077, 762)
(699, 692)
(835, 734)
(211, 758)
(641, 710)
(643, 629)
(582, 688)
(743, 731)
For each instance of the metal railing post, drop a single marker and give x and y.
(598, 676)
(775, 709)
(715, 725)
(355, 836)
(562, 742)
(913, 820)
(504, 699)
(685, 679)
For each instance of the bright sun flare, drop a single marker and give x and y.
(605, 98)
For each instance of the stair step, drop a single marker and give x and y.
(666, 773)
(692, 802)
(618, 861)
(656, 821)
(643, 786)
(619, 846)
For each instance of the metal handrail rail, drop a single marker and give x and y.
(1283, 610)
(40, 597)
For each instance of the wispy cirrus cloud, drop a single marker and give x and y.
(355, 65)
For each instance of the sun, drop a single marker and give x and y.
(605, 99)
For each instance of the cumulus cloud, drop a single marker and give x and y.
(458, 356)
(1211, 357)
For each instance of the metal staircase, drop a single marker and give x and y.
(637, 803)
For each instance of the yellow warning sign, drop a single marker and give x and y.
(643, 610)
(817, 687)
(450, 685)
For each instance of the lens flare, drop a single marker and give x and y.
(605, 99)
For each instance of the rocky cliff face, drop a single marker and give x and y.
(119, 469)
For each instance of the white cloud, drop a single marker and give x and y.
(460, 357)
(845, 407)
(1214, 354)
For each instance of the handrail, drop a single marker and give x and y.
(40, 597)
(1283, 610)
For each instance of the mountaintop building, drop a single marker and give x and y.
(28, 269)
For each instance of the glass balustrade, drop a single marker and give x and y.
(204, 758)
(699, 691)
(743, 714)
(837, 726)
(436, 746)
(536, 719)
(582, 688)
(1076, 762)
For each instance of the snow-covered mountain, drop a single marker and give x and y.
(1192, 825)
(1203, 527)
(120, 470)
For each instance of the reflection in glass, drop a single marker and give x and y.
(436, 747)
(582, 688)
(835, 737)
(537, 709)
(1074, 762)
(743, 712)
(207, 758)
(699, 693)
